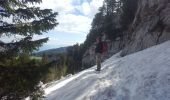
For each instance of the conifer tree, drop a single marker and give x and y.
(22, 18)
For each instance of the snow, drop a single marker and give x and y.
(144, 75)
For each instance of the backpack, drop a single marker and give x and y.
(104, 47)
(99, 48)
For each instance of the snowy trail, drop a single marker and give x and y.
(84, 80)
(140, 76)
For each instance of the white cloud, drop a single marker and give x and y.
(36, 37)
(56, 41)
(62, 6)
(12, 38)
(86, 8)
(95, 4)
(70, 23)
(90, 8)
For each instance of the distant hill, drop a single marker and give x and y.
(51, 51)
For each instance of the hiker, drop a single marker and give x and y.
(101, 49)
(98, 52)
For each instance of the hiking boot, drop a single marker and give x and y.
(97, 70)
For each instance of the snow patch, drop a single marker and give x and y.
(144, 75)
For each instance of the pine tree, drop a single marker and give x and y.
(22, 18)
(17, 17)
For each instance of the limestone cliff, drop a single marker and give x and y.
(151, 26)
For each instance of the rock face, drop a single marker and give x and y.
(89, 57)
(151, 25)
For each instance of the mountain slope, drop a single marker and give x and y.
(51, 51)
(144, 75)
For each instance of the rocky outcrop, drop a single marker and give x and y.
(151, 25)
(89, 57)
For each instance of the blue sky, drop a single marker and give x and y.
(75, 17)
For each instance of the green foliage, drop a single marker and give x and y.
(74, 56)
(24, 58)
(20, 76)
(65, 63)
(45, 59)
(20, 80)
(36, 58)
(51, 51)
(58, 68)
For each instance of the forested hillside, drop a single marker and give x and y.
(51, 51)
